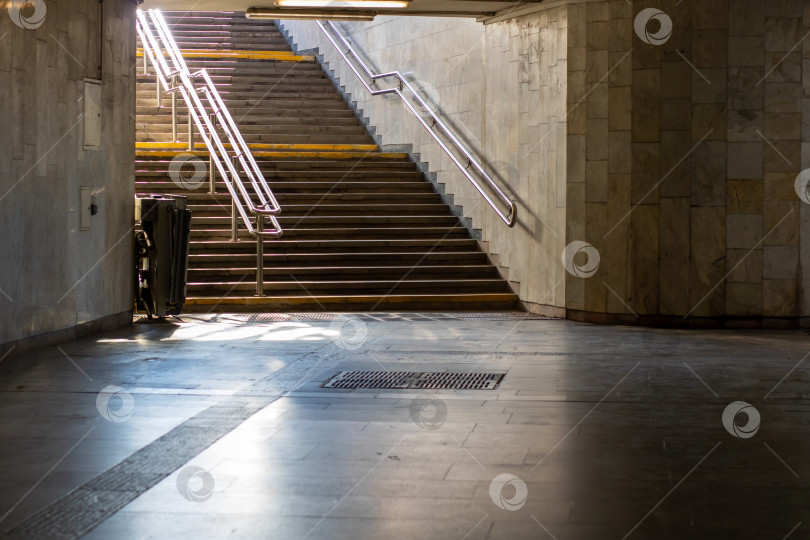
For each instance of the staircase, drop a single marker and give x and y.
(363, 229)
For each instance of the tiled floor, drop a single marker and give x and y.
(596, 432)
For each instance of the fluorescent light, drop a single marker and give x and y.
(310, 14)
(339, 4)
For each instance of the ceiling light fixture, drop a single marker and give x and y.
(344, 4)
(310, 14)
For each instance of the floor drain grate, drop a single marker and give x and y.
(788, 387)
(414, 380)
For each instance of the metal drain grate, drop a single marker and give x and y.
(788, 387)
(458, 381)
(401, 380)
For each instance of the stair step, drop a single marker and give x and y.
(155, 181)
(335, 273)
(314, 221)
(300, 128)
(260, 155)
(237, 81)
(309, 99)
(275, 139)
(258, 113)
(389, 302)
(313, 187)
(352, 198)
(241, 55)
(316, 258)
(364, 286)
(223, 232)
(326, 246)
(150, 167)
(405, 209)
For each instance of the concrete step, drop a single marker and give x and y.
(301, 128)
(252, 69)
(266, 100)
(249, 126)
(366, 285)
(333, 246)
(313, 221)
(254, 84)
(233, 39)
(155, 180)
(275, 153)
(253, 132)
(397, 209)
(240, 113)
(221, 231)
(270, 139)
(339, 273)
(202, 30)
(238, 79)
(339, 258)
(250, 66)
(289, 90)
(278, 168)
(365, 302)
(351, 198)
(156, 166)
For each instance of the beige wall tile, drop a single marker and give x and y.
(744, 299)
(708, 239)
(744, 196)
(780, 298)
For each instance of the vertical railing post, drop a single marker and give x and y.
(191, 121)
(212, 174)
(158, 90)
(259, 255)
(234, 224)
(174, 109)
(190, 131)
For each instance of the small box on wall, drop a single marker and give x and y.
(92, 114)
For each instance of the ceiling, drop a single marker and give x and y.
(460, 8)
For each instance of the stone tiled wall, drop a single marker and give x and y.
(689, 150)
(675, 160)
(53, 276)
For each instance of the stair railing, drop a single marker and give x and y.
(353, 59)
(208, 114)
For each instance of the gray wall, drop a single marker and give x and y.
(676, 161)
(54, 277)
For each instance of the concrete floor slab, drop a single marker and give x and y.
(220, 429)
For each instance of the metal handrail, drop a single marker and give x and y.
(345, 49)
(220, 160)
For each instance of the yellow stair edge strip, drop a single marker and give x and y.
(265, 146)
(282, 154)
(282, 56)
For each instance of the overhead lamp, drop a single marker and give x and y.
(310, 14)
(342, 4)
(336, 10)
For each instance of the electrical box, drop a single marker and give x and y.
(92, 114)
